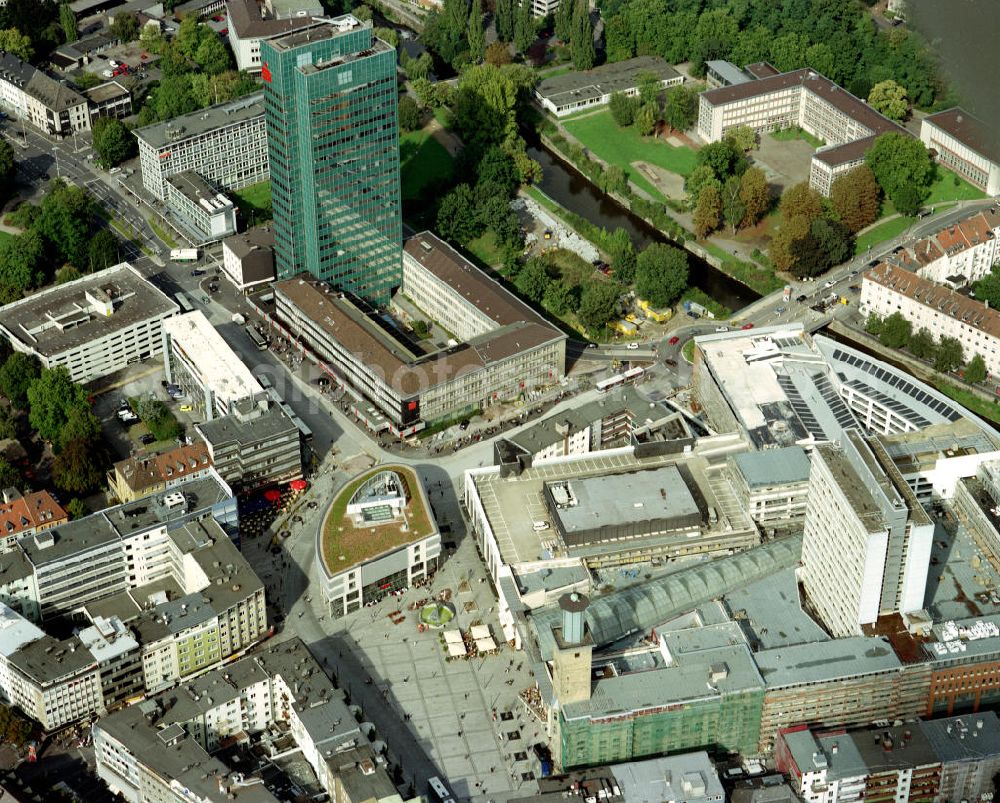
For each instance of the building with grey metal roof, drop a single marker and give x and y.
(583, 89)
(94, 325)
(684, 778)
(225, 144)
(817, 662)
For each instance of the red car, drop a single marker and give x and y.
(673, 341)
(747, 326)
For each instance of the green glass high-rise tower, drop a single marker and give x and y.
(333, 146)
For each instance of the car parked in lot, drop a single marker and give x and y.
(800, 298)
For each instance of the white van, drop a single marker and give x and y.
(539, 526)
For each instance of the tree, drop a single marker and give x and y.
(615, 179)
(103, 251)
(22, 263)
(524, 27)
(801, 200)
(755, 195)
(661, 274)
(708, 212)
(560, 299)
(457, 219)
(172, 98)
(158, 419)
(51, 398)
(498, 54)
(496, 167)
(623, 109)
(784, 239)
(113, 141)
(10, 477)
(788, 52)
(723, 158)
(476, 35)
(854, 197)
(902, 166)
(922, 344)
(975, 371)
(16, 43)
(987, 289)
(212, 55)
(8, 170)
(75, 469)
(8, 423)
(409, 114)
(67, 21)
(622, 253)
(533, 280)
(681, 108)
(895, 331)
(76, 509)
(649, 86)
(834, 240)
(387, 35)
(67, 273)
(564, 21)
(733, 208)
(152, 40)
(645, 120)
(949, 355)
(701, 177)
(125, 28)
(16, 375)
(64, 221)
(582, 45)
(743, 137)
(889, 98)
(597, 305)
(81, 424)
(486, 105)
(504, 19)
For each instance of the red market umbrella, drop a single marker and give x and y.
(272, 495)
(298, 485)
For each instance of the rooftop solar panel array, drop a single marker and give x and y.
(802, 411)
(902, 384)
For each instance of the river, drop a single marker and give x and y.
(964, 35)
(570, 189)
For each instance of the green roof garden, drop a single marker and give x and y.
(345, 544)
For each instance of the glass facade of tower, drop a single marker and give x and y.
(333, 145)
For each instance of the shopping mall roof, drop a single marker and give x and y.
(772, 467)
(825, 661)
(640, 608)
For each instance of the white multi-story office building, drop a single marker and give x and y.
(94, 326)
(226, 144)
(866, 540)
(801, 98)
(964, 144)
(201, 210)
(197, 359)
(886, 290)
(772, 485)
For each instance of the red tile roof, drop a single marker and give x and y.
(37, 510)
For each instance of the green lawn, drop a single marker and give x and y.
(622, 146)
(486, 249)
(977, 404)
(945, 189)
(883, 231)
(688, 351)
(5, 235)
(162, 234)
(422, 160)
(788, 134)
(254, 203)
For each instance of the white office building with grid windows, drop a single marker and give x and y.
(225, 144)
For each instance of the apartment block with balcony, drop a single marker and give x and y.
(887, 290)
